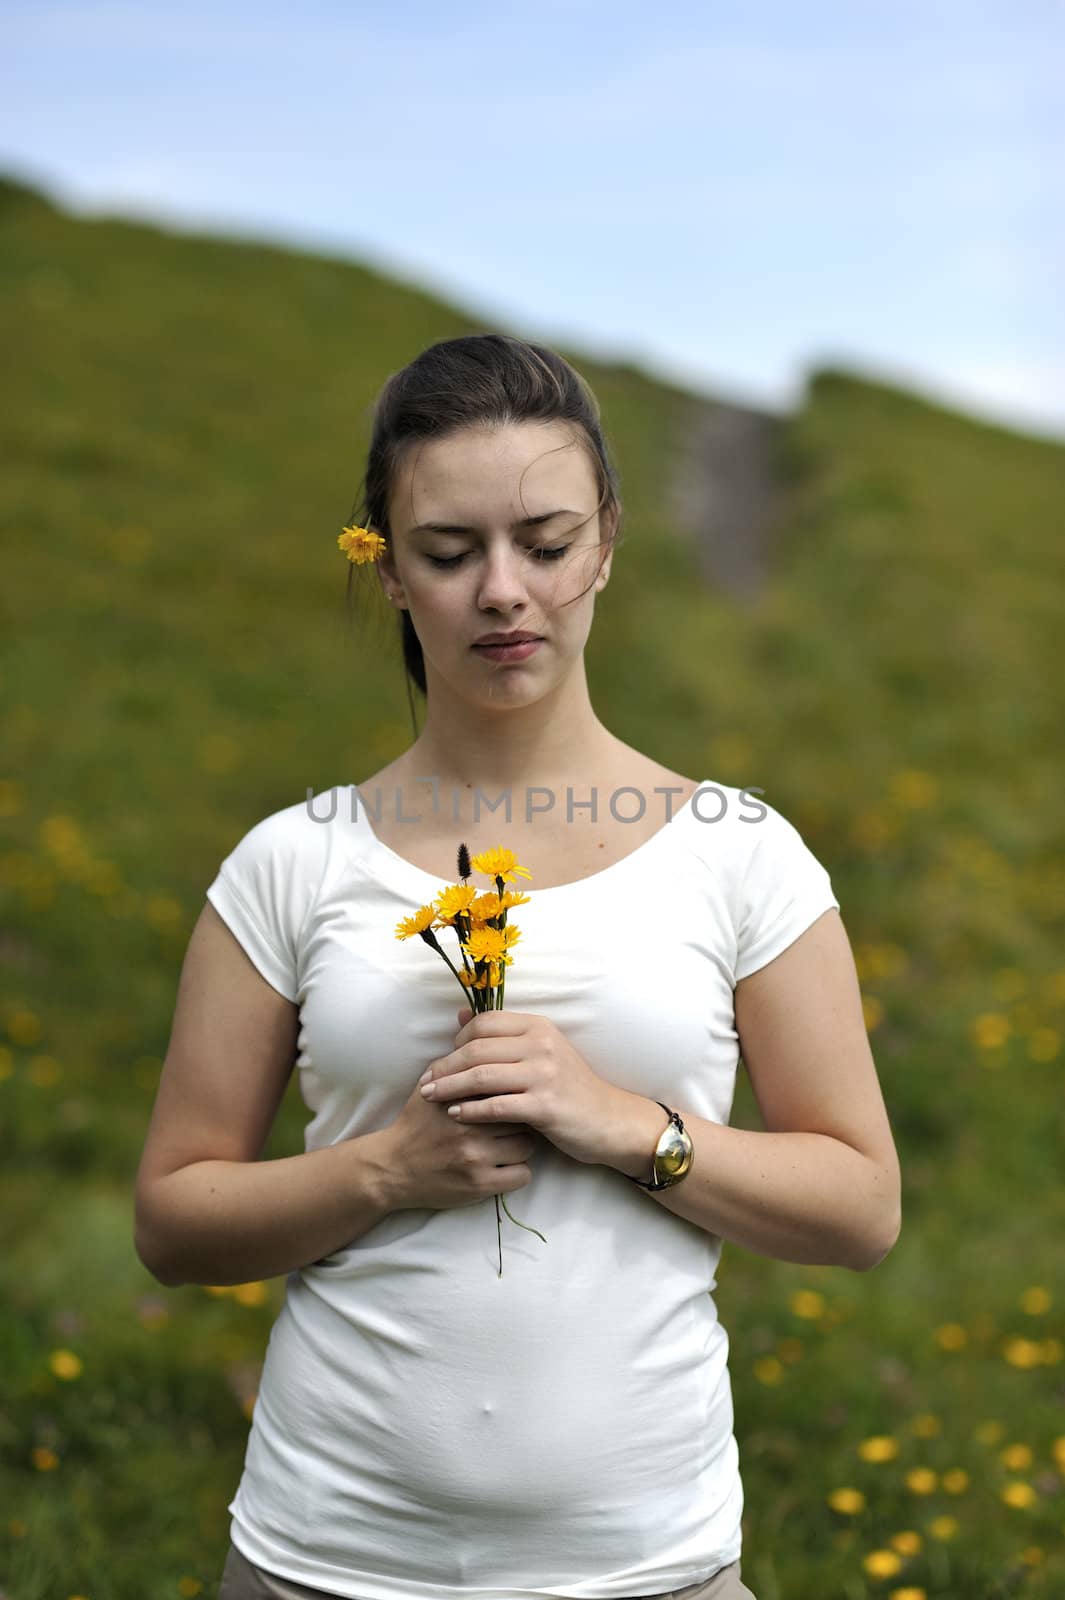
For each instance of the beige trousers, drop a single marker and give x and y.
(242, 1580)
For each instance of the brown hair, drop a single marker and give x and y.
(477, 380)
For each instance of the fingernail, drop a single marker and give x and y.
(426, 1075)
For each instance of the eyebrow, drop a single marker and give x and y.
(458, 527)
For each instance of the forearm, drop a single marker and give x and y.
(803, 1197)
(226, 1222)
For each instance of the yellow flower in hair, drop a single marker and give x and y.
(361, 544)
(499, 863)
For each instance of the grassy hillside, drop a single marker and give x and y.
(185, 439)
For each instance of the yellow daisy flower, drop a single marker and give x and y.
(361, 544)
(423, 918)
(882, 1563)
(848, 1501)
(499, 863)
(486, 906)
(491, 944)
(454, 901)
(881, 1447)
(65, 1364)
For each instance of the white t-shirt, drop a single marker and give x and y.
(428, 1430)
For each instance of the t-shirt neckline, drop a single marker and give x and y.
(417, 881)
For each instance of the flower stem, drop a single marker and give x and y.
(524, 1225)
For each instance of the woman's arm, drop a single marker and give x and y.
(822, 1184)
(207, 1210)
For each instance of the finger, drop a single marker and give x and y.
(498, 1078)
(493, 1108)
(493, 1023)
(482, 1052)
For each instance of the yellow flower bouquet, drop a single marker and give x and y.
(485, 942)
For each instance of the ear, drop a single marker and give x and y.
(390, 581)
(603, 576)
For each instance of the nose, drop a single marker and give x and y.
(503, 584)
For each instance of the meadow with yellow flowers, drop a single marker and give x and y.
(189, 428)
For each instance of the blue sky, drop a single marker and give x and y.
(722, 193)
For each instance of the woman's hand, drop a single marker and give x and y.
(522, 1069)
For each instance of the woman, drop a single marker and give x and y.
(433, 1423)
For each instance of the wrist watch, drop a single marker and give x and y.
(673, 1155)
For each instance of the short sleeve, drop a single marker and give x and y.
(263, 892)
(784, 889)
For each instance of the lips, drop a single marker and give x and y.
(507, 638)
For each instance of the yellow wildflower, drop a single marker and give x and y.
(1018, 1494)
(989, 1030)
(881, 1447)
(908, 1592)
(1016, 1457)
(513, 897)
(907, 1543)
(423, 918)
(943, 1527)
(807, 1303)
(926, 1425)
(956, 1481)
(1035, 1301)
(921, 1480)
(1058, 1451)
(1023, 1353)
(456, 900)
(249, 1294)
(44, 1460)
(951, 1336)
(361, 544)
(848, 1501)
(914, 788)
(499, 863)
(491, 944)
(485, 907)
(881, 1563)
(65, 1364)
(767, 1369)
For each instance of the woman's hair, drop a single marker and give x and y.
(479, 380)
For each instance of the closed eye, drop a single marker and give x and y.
(541, 552)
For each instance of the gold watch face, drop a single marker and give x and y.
(674, 1154)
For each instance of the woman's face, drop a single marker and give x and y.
(514, 536)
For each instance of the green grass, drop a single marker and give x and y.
(189, 429)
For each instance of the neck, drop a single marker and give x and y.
(557, 740)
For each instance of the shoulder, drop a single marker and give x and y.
(286, 854)
(754, 850)
(301, 828)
